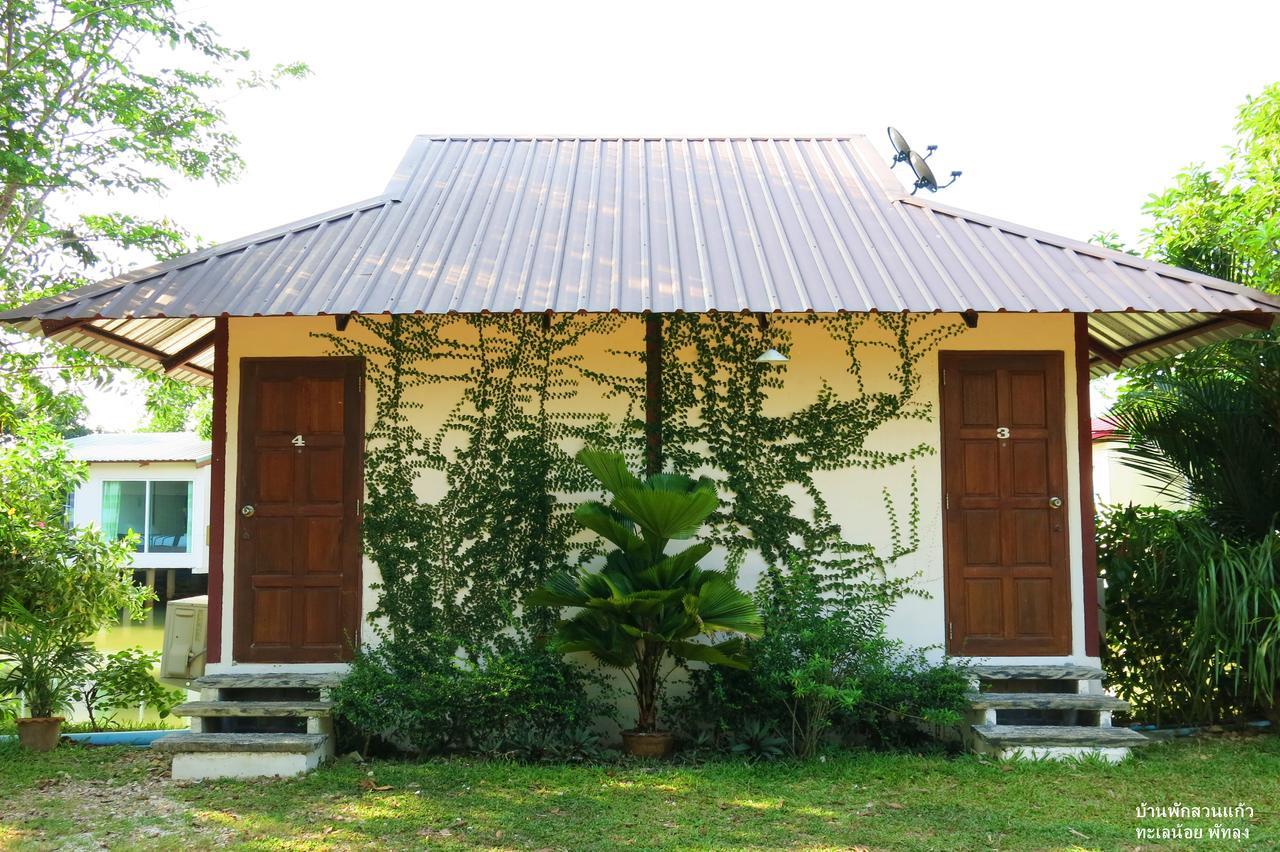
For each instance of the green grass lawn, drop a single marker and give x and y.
(114, 797)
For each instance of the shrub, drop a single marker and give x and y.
(124, 680)
(823, 669)
(417, 694)
(1193, 619)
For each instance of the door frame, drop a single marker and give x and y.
(241, 637)
(1065, 594)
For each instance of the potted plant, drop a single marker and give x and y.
(644, 606)
(42, 665)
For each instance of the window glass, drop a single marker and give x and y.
(124, 508)
(170, 529)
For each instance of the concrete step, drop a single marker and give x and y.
(1047, 672)
(1015, 736)
(197, 756)
(252, 709)
(188, 743)
(1044, 701)
(269, 680)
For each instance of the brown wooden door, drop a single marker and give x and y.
(300, 482)
(1004, 484)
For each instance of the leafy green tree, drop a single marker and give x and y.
(90, 107)
(1225, 221)
(644, 606)
(46, 565)
(176, 407)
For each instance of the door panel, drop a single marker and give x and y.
(1004, 462)
(297, 581)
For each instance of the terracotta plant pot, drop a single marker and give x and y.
(39, 734)
(655, 744)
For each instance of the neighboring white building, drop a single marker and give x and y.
(1114, 482)
(154, 483)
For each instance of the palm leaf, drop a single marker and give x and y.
(666, 514)
(609, 468)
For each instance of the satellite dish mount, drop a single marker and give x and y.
(902, 153)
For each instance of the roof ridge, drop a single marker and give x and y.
(538, 137)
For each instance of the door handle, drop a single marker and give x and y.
(247, 511)
(1054, 502)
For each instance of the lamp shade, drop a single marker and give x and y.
(772, 356)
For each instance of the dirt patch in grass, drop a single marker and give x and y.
(129, 805)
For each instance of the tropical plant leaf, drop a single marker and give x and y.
(726, 653)
(609, 468)
(603, 521)
(723, 607)
(666, 514)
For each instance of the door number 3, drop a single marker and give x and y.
(299, 442)
(1002, 432)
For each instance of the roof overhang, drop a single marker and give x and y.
(566, 226)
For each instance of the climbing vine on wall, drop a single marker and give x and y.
(717, 419)
(457, 565)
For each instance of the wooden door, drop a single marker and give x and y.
(300, 482)
(1004, 484)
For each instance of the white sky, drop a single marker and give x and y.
(1063, 115)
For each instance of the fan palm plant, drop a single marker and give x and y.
(645, 605)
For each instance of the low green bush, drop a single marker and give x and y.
(124, 680)
(415, 693)
(1192, 618)
(823, 672)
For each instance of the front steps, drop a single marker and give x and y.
(254, 725)
(1047, 711)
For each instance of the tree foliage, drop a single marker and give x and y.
(98, 100)
(1225, 221)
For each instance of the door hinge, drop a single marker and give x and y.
(948, 499)
(944, 377)
(951, 631)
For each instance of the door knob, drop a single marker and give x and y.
(247, 511)
(1054, 502)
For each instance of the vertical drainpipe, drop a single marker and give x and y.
(653, 393)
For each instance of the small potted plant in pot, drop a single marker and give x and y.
(645, 607)
(42, 666)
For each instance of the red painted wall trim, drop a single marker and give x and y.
(217, 490)
(1088, 526)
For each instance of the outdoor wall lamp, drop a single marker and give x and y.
(770, 355)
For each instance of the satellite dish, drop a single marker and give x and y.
(901, 150)
(924, 174)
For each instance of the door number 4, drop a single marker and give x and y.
(1002, 432)
(299, 442)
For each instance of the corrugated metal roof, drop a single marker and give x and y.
(572, 225)
(139, 447)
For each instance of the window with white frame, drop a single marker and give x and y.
(158, 511)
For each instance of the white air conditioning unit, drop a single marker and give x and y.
(186, 624)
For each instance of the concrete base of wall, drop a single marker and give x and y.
(201, 766)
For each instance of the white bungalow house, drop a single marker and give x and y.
(795, 233)
(155, 484)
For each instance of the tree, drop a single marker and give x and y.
(1225, 221)
(89, 107)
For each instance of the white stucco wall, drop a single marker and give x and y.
(88, 506)
(854, 495)
(1116, 483)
